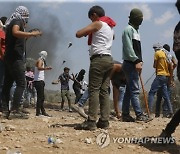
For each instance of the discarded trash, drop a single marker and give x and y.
(59, 141)
(88, 140)
(1, 128)
(51, 140)
(14, 151)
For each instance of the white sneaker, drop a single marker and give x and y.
(80, 110)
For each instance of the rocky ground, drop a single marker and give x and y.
(30, 136)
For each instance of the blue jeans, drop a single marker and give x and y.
(159, 99)
(159, 82)
(121, 96)
(1, 78)
(29, 94)
(132, 89)
(83, 98)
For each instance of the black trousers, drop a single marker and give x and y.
(14, 72)
(171, 126)
(178, 66)
(77, 93)
(39, 85)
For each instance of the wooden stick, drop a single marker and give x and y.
(145, 98)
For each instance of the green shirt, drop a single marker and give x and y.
(131, 45)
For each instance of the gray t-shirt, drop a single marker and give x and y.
(64, 78)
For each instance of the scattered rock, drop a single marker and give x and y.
(78, 133)
(10, 128)
(59, 141)
(4, 121)
(131, 146)
(45, 119)
(88, 140)
(4, 148)
(55, 146)
(18, 146)
(120, 147)
(1, 128)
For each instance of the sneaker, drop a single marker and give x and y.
(143, 118)
(127, 118)
(24, 111)
(70, 110)
(168, 115)
(80, 110)
(45, 114)
(86, 125)
(18, 114)
(157, 115)
(102, 124)
(38, 114)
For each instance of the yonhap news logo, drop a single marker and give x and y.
(103, 140)
(144, 140)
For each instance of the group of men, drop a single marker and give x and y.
(13, 57)
(102, 68)
(101, 36)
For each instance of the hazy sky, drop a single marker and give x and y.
(62, 18)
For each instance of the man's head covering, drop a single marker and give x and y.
(157, 46)
(43, 55)
(178, 5)
(166, 47)
(136, 17)
(3, 21)
(82, 72)
(135, 13)
(21, 13)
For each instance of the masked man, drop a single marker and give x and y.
(14, 54)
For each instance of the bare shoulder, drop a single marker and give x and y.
(97, 25)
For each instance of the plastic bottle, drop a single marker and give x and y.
(51, 140)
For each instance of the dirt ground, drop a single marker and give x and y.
(30, 136)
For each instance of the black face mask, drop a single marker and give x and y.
(135, 22)
(26, 20)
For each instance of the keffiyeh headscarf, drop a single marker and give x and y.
(21, 13)
(157, 46)
(43, 55)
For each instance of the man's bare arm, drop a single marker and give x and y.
(19, 34)
(93, 27)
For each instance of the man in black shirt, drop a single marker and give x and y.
(14, 55)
